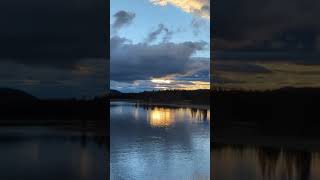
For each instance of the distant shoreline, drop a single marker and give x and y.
(172, 105)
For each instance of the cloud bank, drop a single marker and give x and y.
(54, 48)
(52, 33)
(267, 26)
(266, 44)
(132, 62)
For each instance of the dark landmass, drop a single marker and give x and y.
(12, 95)
(20, 108)
(286, 112)
(178, 97)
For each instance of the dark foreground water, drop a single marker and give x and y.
(159, 143)
(253, 162)
(40, 153)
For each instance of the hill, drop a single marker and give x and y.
(286, 111)
(115, 92)
(18, 105)
(12, 95)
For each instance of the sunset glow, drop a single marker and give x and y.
(161, 81)
(151, 52)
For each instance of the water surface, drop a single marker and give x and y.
(260, 162)
(158, 142)
(43, 153)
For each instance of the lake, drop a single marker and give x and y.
(38, 153)
(152, 142)
(300, 161)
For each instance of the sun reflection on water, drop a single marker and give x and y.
(166, 117)
(159, 117)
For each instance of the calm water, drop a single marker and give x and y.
(251, 162)
(159, 143)
(39, 153)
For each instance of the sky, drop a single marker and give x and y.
(266, 44)
(54, 49)
(159, 44)
(59, 48)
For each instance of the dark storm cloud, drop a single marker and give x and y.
(222, 80)
(122, 18)
(200, 75)
(55, 33)
(236, 70)
(239, 67)
(276, 26)
(131, 62)
(154, 34)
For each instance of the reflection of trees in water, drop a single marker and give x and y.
(99, 135)
(97, 129)
(274, 163)
(295, 164)
(302, 164)
(268, 159)
(201, 115)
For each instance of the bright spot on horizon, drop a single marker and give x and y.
(161, 81)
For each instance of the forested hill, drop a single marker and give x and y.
(19, 105)
(284, 111)
(166, 96)
(8, 95)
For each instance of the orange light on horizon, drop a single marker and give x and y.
(180, 85)
(195, 85)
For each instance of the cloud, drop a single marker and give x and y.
(265, 75)
(139, 86)
(154, 34)
(239, 67)
(52, 33)
(199, 24)
(131, 62)
(135, 66)
(122, 18)
(286, 25)
(267, 44)
(197, 7)
(166, 33)
(88, 78)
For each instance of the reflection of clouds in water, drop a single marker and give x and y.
(136, 113)
(119, 109)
